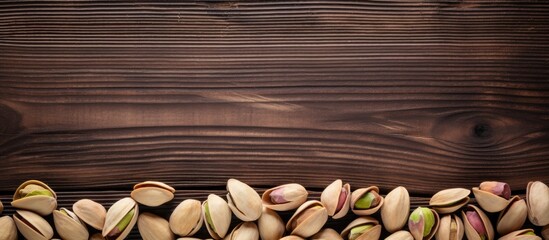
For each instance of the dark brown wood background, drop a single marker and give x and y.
(96, 96)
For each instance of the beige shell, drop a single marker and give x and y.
(519, 235)
(330, 198)
(488, 201)
(152, 193)
(97, 236)
(306, 226)
(115, 214)
(153, 227)
(243, 200)
(537, 200)
(513, 216)
(186, 219)
(357, 194)
(400, 235)
(371, 234)
(434, 229)
(41, 204)
(395, 209)
(69, 227)
(470, 232)
(8, 230)
(244, 231)
(291, 237)
(90, 212)
(327, 234)
(445, 229)
(449, 200)
(220, 213)
(270, 225)
(32, 226)
(296, 194)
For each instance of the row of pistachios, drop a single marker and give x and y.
(449, 215)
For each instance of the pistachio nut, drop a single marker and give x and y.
(120, 219)
(524, 234)
(395, 209)
(449, 200)
(362, 228)
(308, 219)
(190, 238)
(270, 225)
(90, 212)
(451, 228)
(244, 231)
(336, 197)
(477, 224)
(423, 223)
(69, 226)
(217, 216)
(400, 235)
(545, 232)
(152, 193)
(97, 236)
(35, 196)
(326, 234)
(492, 196)
(8, 230)
(153, 227)
(243, 200)
(292, 237)
(366, 201)
(285, 197)
(32, 226)
(513, 216)
(186, 219)
(537, 200)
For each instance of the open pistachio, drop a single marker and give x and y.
(366, 201)
(524, 234)
(35, 196)
(292, 237)
(69, 226)
(451, 228)
(285, 197)
(423, 223)
(327, 234)
(400, 235)
(395, 209)
(186, 218)
(32, 226)
(513, 216)
(271, 226)
(492, 196)
(120, 219)
(97, 236)
(308, 219)
(336, 197)
(152, 193)
(477, 224)
(243, 200)
(153, 227)
(362, 228)
(244, 231)
(217, 216)
(90, 212)
(8, 230)
(537, 200)
(449, 200)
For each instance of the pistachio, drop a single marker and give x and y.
(492, 196)
(186, 218)
(362, 228)
(537, 200)
(423, 223)
(217, 216)
(285, 197)
(524, 234)
(497, 188)
(243, 200)
(451, 228)
(32, 226)
(90, 212)
(400, 235)
(449, 200)
(395, 209)
(152, 193)
(35, 196)
(8, 230)
(513, 216)
(69, 226)
(366, 201)
(271, 226)
(153, 227)
(308, 219)
(336, 197)
(327, 234)
(545, 232)
(120, 219)
(244, 231)
(477, 224)
(291, 237)
(97, 236)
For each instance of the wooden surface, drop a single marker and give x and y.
(96, 96)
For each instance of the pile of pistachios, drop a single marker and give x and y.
(449, 215)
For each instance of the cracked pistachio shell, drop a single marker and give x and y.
(68, 226)
(291, 237)
(90, 212)
(308, 219)
(488, 201)
(371, 234)
(32, 226)
(270, 225)
(395, 209)
(220, 215)
(285, 197)
(153, 227)
(39, 203)
(470, 231)
(152, 193)
(243, 200)
(336, 197)
(326, 234)
(8, 230)
(449, 200)
(244, 231)
(357, 194)
(400, 235)
(116, 213)
(451, 228)
(537, 200)
(513, 216)
(524, 234)
(186, 219)
(97, 236)
(418, 233)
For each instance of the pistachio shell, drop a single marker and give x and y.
(8, 230)
(41, 204)
(537, 200)
(489, 201)
(293, 193)
(90, 212)
(470, 232)
(448, 232)
(357, 194)
(513, 216)
(68, 226)
(449, 200)
(330, 197)
(220, 214)
(97, 236)
(271, 226)
(243, 200)
(244, 231)
(153, 227)
(32, 226)
(520, 235)
(371, 234)
(116, 213)
(304, 222)
(395, 209)
(545, 232)
(152, 193)
(400, 235)
(186, 219)
(291, 237)
(326, 234)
